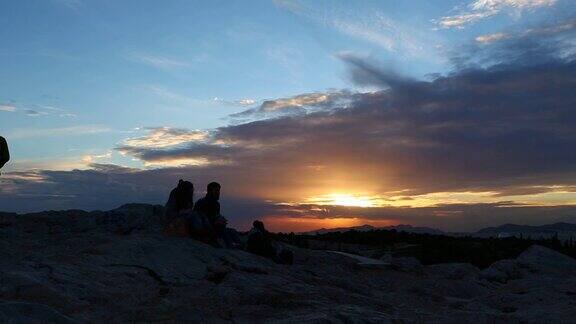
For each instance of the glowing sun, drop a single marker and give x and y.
(344, 200)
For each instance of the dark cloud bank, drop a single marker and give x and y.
(502, 121)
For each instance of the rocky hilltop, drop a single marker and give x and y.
(116, 266)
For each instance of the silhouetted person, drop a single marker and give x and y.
(261, 242)
(4, 153)
(209, 206)
(181, 200)
(182, 220)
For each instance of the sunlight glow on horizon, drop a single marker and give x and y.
(296, 224)
(555, 195)
(345, 199)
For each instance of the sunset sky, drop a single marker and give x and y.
(449, 114)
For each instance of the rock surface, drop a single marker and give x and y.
(116, 266)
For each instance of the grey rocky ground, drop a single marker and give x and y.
(117, 267)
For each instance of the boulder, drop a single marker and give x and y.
(406, 264)
(454, 271)
(544, 261)
(22, 286)
(502, 271)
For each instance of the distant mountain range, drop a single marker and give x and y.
(365, 228)
(564, 230)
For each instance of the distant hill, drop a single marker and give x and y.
(563, 230)
(365, 228)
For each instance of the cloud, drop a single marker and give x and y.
(300, 104)
(309, 99)
(7, 108)
(459, 21)
(490, 38)
(149, 147)
(161, 137)
(22, 133)
(160, 62)
(107, 186)
(372, 26)
(502, 130)
(546, 43)
(500, 4)
(177, 98)
(562, 28)
(365, 72)
(499, 127)
(34, 113)
(246, 102)
(289, 57)
(35, 110)
(369, 31)
(241, 102)
(482, 9)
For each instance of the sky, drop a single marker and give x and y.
(450, 114)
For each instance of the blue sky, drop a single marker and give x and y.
(85, 82)
(103, 68)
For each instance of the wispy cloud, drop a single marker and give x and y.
(173, 96)
(549, 30)
(35, 110)
(246, 102)
(21, 169)
(7, 108)
(157, 61)
(377, 29)
(34, 113)
(482, 9)
(490, 38)
(180, 99)
(21, 133)
(289, 57)
(373, 27)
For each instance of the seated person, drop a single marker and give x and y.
(210, 208)
(260, 242)
(181, 220)
(181, 200)
(209, 205)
